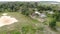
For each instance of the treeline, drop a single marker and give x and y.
(17, 6)
(28, 8)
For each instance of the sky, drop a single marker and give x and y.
(31, 0)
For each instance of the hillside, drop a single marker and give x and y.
(30, 17)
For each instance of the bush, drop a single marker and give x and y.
(52, 23)
(28, 29)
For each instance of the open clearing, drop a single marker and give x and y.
(25, 25)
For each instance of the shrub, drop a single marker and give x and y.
(52, 23)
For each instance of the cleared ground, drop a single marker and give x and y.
(24, 22)
(25, 25)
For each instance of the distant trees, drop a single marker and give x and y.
(15, 6)
(9, 7)
(26, 8)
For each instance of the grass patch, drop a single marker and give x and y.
(23, 21)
